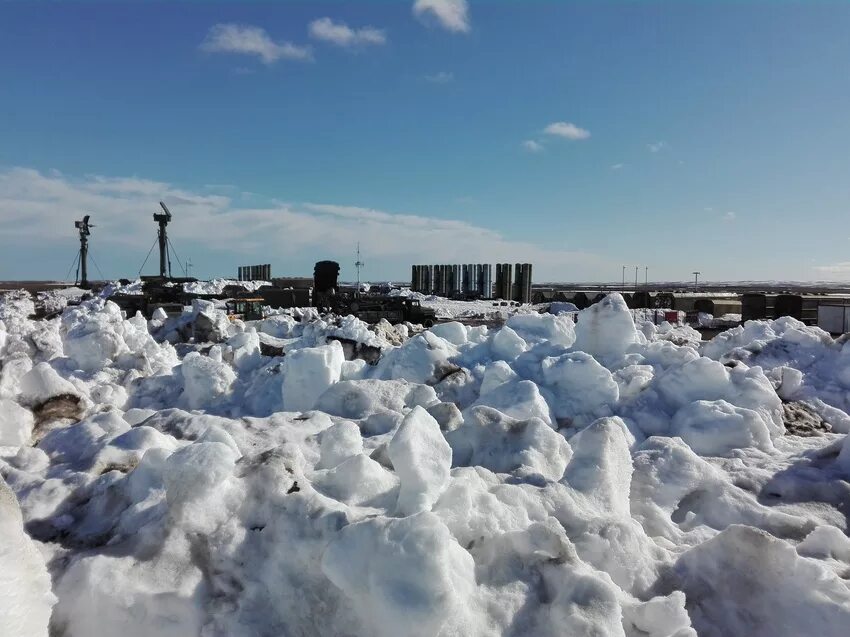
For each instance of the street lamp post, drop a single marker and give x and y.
(696, 280)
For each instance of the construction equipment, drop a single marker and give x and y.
(245, 309)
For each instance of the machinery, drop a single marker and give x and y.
(82, 268)
(246, 308)
(395, 309)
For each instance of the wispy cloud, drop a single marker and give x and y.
(34, 211)
(842, 267)
(341, 34)
(249, 40)
(452, 15)
(441, 77)
(729, 216)
(532, 146)
(617, 166)
(566, 130)
(655, 147)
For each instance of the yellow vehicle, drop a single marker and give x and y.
(246, 309)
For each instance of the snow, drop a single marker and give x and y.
(528, 476)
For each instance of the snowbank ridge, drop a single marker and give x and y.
(542, 478)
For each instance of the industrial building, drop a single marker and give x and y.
(473, 280)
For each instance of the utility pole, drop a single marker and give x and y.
(162, 219)
(83, 226)
(189, 267)
(624, 277)
(696, 280)
(358, 264)
(646, 276)
(636, 270)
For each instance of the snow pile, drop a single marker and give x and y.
(216, 286)
(311, 476)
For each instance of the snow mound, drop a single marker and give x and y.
(310, 475)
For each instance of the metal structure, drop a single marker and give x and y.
(466, 280)
(358, 264)
(82, 267)
(262, 272)
(504, 281)
(162, 218)
(522, 287)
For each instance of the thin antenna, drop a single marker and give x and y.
(358, 264)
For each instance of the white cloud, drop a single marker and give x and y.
(842, 267)
(566, 130)
(452, 15)
(655, 147)
(37, 210)
(249, 40)
(341, 34)
(442, 77)
(616, 166)
(532, 146)
(730, 216)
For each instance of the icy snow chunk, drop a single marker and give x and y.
(360, 398)
(92, 334)
(79, 443)
(25, 593)
(507, 344)
(536, 328)
(15, 424)
(826, 542)
(584, 389)
(422, 459)
(195, 470)
(496, 374)
(42, 383)
(490, 439)
(358, 480)
(447, 415)
(339, 442)
(126, 596)
(405, 577)
(520, 400)
(715, 428)
(601, 465)
(661, 616)
(453, 332)
(705, 379)
(308, 373)
(746, 582)
(417, 360)
(606, 329)
(11, 374)
(245, 349)
(205, 380)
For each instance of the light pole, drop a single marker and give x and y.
(696, 280)
(624, 277)
(636, 270)
(646, 276)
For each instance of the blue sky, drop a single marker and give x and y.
(580, 136)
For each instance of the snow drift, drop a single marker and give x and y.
(307, 475)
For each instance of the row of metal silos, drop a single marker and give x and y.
(466, 279)
(474, 280)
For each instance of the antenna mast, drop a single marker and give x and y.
(162, 219)
(358, 264)
(83, 226)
